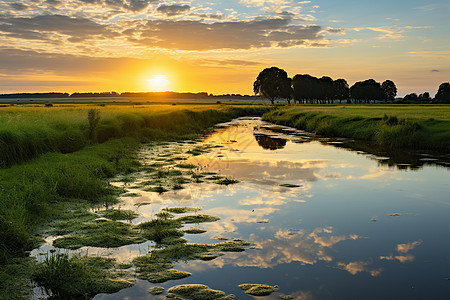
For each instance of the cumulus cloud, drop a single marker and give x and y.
(41, 28)
(18, 6)
(132, 5)
(173, 10)
(256, 33)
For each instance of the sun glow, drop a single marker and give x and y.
(158, 83)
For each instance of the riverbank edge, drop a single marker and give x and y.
(387, 130)
(36, 191)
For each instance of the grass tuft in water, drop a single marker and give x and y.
(227, 181)
(198, 292)
(194, 231)
(78, 276)
(156, 290)
(288, 185)
(180, 210)
(198, 219)
(118, 214)
(258, 289)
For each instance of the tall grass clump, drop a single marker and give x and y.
(94, 121)
(76, 277)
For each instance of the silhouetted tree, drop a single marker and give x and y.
(411, 97)
(326, 89)
(389, 90)
(306, 88)
(270, 83)
(286, 90)
(443, 94)
(341, 90)
(367, 90)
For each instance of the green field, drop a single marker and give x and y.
(49, 166)
(392, 126)
(53, 161)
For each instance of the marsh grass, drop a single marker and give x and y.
(413, 127)
(198, 292)
(49, 163)
(78, 276)
(258, 289)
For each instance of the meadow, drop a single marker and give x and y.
(391, 126)
(57, 159)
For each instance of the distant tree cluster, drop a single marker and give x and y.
(443, 94)
(273, 83)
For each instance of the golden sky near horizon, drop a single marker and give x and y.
(218, 46)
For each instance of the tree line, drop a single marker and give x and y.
(273, 83)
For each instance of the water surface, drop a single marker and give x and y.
(345, 225)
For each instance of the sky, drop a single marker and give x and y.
(219, 46)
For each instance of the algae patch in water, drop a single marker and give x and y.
(180, 210)
(165, 275)
(198, 292)
(118, 214)
(97, 233)
(288, 185)
(198, 219)
(156, 290)
(194, 231)
(227, 181)
(258, 289)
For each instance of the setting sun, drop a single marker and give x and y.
(158, 83)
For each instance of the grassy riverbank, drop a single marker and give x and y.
(51, 164)
(412, 127)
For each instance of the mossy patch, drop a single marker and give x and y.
(194, 231)
(198, 292)
(118, 214)
(163, 276)
(97, 233)
(156, 290)
(157, 189)
(258, 289)
(198, 219)
(180, 210)
(288, 185)
(227, 181)
(130, 195)
(186, 166)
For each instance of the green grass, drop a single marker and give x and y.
(412, 127)
(198, 292)
(49, 167)
(78, 277)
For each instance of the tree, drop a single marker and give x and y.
(341, 90)
(443, 94)
(411, 97)
(367, 90)
(389, 90)
(270, 83)
(286, 90)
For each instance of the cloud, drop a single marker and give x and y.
(256, 33)
(18, 6)
(434, 70)
(42, 28)
(173, 10)
(132, 5)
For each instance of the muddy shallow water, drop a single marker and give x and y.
(326, 222)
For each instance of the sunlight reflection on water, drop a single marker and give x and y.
(345, 225)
